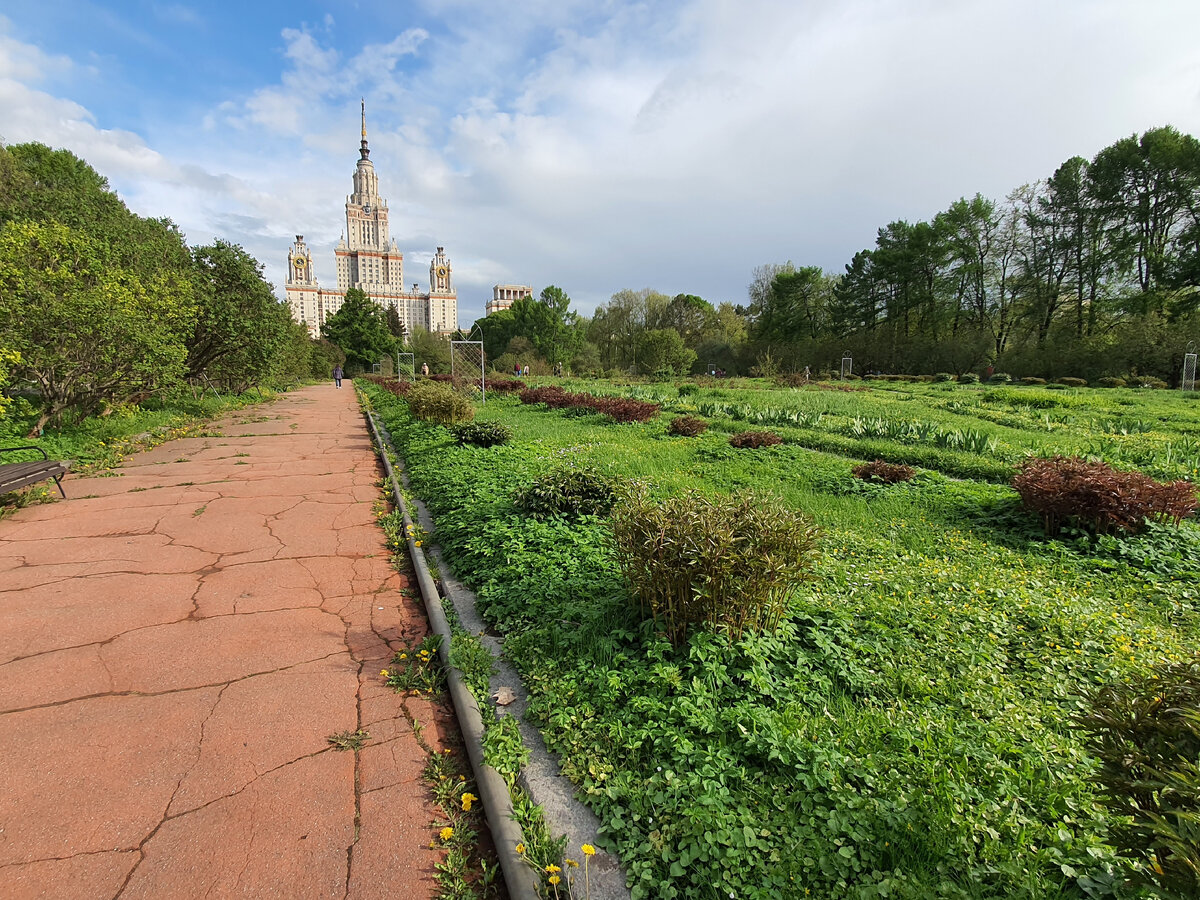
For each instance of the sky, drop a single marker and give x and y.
(592, 144)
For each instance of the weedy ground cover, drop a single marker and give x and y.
(906, 729)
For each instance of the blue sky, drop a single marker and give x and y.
(594, 145)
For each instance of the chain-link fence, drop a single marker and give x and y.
(406, 366)
(466, 362)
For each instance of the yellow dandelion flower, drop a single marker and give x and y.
(571, 863)
(383, 672)
(447, 833)
(554, 879)
(404, 656)
(417, 543)
(520, 849)
(467, 800)
(552, 868)
(588, 850)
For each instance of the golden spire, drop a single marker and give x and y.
(364, 117)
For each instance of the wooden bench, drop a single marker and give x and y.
(19, 474)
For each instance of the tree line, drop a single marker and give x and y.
(101, 307)
(1091, 272)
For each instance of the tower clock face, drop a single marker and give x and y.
(441, 271)
(299, 264)
(367, 208)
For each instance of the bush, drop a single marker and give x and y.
(1097, 496)
(883, 473)
(569, 492)
(505, 386)
(439, 403)
(688, 390)
(1030, 380)
(968, 378)
(1148, 381)
(1111, 382)
(754, 439)
(725, 562)
(943, 377)
(552, 396)
(999, 378)
(1073, 382)
(482, 434)
(687, 426)
(622, 409)
(1146, 736)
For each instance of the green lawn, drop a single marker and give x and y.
(905, 732)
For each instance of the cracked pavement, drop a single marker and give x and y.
(177, 641)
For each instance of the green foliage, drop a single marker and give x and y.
(1146, 734)
(1111, 382)
(723, 563)
(8, 358)
(482, 434)
(90, 335)
(359, 328)
(569, 491)
(416, 667)
(475, 662)
(943, 377)
(999, 378)
(431, 401)
(504, 750)
(661, 351)
(1073, 382)
(968, 378)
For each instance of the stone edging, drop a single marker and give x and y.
(497, 804)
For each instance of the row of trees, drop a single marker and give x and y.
(99, 306)
(1092, 271)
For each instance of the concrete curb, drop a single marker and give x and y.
(497, 804)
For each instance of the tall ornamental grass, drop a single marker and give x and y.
(726, 563)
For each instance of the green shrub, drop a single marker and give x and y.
(1146, 736)
(1031, 380)
(1073, 382)
(1111, 382)
(687, 426)
(1056, 387)
(1097, 496)
(569, 492)
(689, 390)
(1148, 381)
(942, 377)
(430, 401)
(482, 434)
(968, 378)
(725, 562)
(999, 378)
(883, 473)
(753, 439)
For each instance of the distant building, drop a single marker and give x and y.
(505, 295)
(368, 259)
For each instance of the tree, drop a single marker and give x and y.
(394, 325)
(661, 351)
(239, 323)
(89, 334)
(359, 327)
(430, 349)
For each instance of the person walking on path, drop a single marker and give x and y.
(425, 369)
(337, 375)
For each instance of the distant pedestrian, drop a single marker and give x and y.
(425, 369)
(517, 369)
(558, 370)
(526, 370)
(337, 376)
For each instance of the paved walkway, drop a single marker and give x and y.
(177, 642)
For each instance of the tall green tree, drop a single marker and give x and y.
(90, 335)
(239, 324)
(359, 328)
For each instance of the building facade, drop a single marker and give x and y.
(505, 295)
(367, 258)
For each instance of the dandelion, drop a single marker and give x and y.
(467, 799)
(383, 672)
(447, 833)
(520, 849)
(404, 656)
(417, 543)
(588, 850)
(572, 863)
(554, 879)
(552, 868)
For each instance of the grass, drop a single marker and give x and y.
(904, 732)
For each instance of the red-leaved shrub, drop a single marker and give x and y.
(505, 385)
(883, 473)
(751, 439)
(1068, 489)
(622, 409)
(687, 426)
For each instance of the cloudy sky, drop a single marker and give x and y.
(592, 144)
